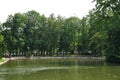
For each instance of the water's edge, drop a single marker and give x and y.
(5, 60)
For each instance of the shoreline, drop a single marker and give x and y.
(5, 60)
(65, 57)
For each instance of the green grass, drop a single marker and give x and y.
(1, 60)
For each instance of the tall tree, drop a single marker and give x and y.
(30, 30)
(83, 37)
(1, 41)
(69, 36)
(109, 11)
(7, 33)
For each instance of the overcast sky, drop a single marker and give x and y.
(65, 8)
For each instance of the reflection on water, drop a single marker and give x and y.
(23, 69)
(59, 69)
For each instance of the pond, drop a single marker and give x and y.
(59, 69)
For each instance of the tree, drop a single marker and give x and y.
(69, 36)
(1, 41)
(13, 33)
(97, 33)
(30, 31)
(83, 36)
(7, 33)
(17, 29)
(53, 33)
(109, 11)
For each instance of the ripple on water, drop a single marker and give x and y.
(22, 69)
(27, 70)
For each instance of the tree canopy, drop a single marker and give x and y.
(96, 34)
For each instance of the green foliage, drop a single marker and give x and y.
(96, 34)
(1, 41)
(109, 11)
(1, 38)
(69, 37)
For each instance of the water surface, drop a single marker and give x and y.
(59, 69)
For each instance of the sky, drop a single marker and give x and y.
(65, 8)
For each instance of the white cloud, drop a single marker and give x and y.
(64, 8)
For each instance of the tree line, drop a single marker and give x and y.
(96, 34)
